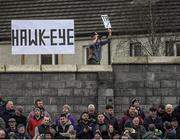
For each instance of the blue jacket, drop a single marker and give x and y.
(80, 130)
(96, 49)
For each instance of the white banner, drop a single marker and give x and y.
(42, 36)
(106, 21)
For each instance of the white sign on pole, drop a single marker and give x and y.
(106, 21)
(42, 36)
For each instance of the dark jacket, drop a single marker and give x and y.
(20, 119)
(168, 117)
(93, 117)
(177, 113)
(170, 134)
(70, 117)
(41, 129)
(178, 132)
(85, 135)
(22, 136)
(63, 130)
(103, 129)
(2, 123)
(7, 114)
(95, 50)
(157, 122)
(111, 120)
(139, 131)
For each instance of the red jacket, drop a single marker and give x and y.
(32, 124)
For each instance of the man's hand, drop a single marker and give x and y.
(110, 33)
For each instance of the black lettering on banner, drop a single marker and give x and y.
(15, 37)
(32, 41)
(23, 37)
(62, 35)
(53, 36)
(69, 37)
(41, 36)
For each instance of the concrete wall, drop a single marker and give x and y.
(152, 79)
(78, 86)
(78, 58)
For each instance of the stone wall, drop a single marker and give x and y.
(76, 85)
(153, 80)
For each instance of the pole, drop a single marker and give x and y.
(53, 59)
(62, 59)
(109, 53)
(22, 59)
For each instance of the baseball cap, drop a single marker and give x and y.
(93, 34)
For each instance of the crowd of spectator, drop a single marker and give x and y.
(161, 122)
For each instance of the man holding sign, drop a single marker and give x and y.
(96, 45)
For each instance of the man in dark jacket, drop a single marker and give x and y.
(20, 118)
(65, 127)
(110, 118)
(153, 119)
(9, 111)
(85, 128)
(44, 127)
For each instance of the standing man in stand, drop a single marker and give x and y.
(95, 48)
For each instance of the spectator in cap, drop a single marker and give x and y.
(20, 118)
(11, 127)
(94, 56)
(21, 134)
(136, 103)
(40, 104)
(35, 121)
(153, 119)
(92, 113)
